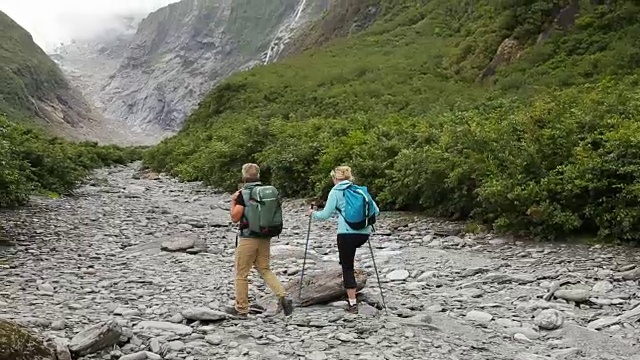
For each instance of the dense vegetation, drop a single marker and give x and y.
(26, 72)
(30, 160)
(33, 162)
(547, 145)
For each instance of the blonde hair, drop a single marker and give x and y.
(342, 173)
(250, 172)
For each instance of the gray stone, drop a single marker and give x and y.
(319, 287)
(140, 355)
(398, 275)
(317, 355)
(479, 316)
(95, 338)
(203, 314)
(528, 332)
(213, 339)
(165, 326)
(549, 319)
(575, 295)
(58, 325)
(62, 349)
(602, 287)
(46, 288)
(178, 245)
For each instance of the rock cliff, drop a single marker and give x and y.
(179, 53)
(34, 90)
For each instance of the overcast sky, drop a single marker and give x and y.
(53, 21)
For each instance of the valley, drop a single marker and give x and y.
(499, 138)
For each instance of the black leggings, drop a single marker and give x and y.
(347, 245)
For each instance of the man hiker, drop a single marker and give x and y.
(257, 209)
(357, 211)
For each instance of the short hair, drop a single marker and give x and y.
(250, 172)
(342, 173)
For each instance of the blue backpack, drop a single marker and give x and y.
(359, 209)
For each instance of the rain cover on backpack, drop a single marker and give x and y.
(263, 210)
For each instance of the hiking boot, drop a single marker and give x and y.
(286, 305)
(351, 309)
(232, 311)
(256, 309)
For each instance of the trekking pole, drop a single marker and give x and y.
(304, 262)
(378, 277)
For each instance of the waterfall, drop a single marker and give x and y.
(285, 32)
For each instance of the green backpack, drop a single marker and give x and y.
(263, 210)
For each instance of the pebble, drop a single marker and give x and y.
(479, 316)
(398, 275)
(549, 319)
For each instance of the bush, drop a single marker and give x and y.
(32, 162)
(546, 147)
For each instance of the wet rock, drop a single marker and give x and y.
(95, 338)
(549, 319)
(20, 343)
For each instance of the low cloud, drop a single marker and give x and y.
(52, 22)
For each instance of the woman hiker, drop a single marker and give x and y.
(348, 239)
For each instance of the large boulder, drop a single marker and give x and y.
(319, 287)
(19, 343)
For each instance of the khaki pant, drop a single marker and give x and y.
(253, 252)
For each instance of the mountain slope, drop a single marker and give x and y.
(521, 115)
(32, 87)
(36, 102)
(179, 52)
(89, 62)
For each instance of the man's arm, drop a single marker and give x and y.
(237, 207)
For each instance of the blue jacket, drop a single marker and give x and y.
(336, 199)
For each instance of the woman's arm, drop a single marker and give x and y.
(329, 208)
(376, 209)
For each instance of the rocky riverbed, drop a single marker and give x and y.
(144, 263)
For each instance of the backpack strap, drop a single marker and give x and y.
(342, 190)
(246, 195)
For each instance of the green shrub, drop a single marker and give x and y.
(32, 162)
(546, 147)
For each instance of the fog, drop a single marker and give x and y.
(51, 22)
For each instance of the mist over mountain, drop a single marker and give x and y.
(153, 77)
